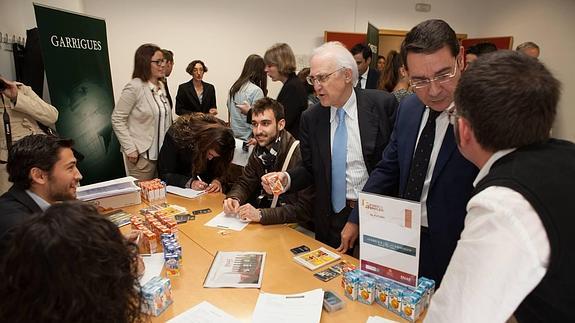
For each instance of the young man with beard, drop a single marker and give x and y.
(43, 170)
(247, 199)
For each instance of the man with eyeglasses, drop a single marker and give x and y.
(515, 254)
(421, 162)
(342, 139)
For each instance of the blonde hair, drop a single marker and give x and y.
(281, 56)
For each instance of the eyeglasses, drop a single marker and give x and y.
(320, 78)
(160, 62)
(452, 114)
(443, 78)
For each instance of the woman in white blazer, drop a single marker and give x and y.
(143, 114)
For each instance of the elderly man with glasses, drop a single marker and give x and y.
(421, 162)
(342, 139)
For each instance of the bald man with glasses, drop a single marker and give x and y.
(421, 162)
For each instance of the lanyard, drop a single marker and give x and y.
(7, 128)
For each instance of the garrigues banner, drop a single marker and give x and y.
(75, 53)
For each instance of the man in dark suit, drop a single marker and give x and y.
(43, 170)
(342, 139)
(421, 162)
(368, 77)
(169, 57)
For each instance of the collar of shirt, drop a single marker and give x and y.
(487, 167)
(350, 108)
(40, 201)
(364, 75)
(156, 89)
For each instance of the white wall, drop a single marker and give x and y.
(17, 16)
(224, 32)
(551, 25)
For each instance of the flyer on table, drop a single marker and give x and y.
(389, 237)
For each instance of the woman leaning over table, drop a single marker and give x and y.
(198, 147)
(143, 114)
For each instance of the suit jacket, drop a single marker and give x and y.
(168, 95)
(372, 78)
(294, 207)
(15, 207)
(25, 115)
(135, 116)
(449, 191)
(376, 114)
(187, 100)
(293, 98)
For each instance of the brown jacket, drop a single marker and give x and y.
(292, 207)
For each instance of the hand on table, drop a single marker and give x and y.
(349, 234)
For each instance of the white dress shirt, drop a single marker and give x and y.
(164, 120)
(40, 201)
(441, 124)
(502, 255)
(363, 79)
(355, 171)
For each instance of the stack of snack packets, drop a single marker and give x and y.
(157, 294)
(153, 191)
(172, 254)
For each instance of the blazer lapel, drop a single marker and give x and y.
(149, 96)
(193, 94)
(407, 141)
(25, 199)
(368, 126)
(323, 139)
(447, 148)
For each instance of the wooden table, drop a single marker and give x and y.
(282, 275)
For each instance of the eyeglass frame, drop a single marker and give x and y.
(160, 62)
(321, 78)
(443, 78)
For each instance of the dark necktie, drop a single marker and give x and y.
(358, 85)
(420, 161)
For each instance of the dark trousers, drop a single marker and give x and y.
(328, 227)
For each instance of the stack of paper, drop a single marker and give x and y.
(108, 188)
(185, 192)
(224, 221)
(300, 308)
(204, 313)
(379, 319)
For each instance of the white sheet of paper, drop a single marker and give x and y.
(223, 221)
(185, 192)
(154, 265)
(204, 313)
(389, 237)
(379, 319)
(240, 156)
(301, 308)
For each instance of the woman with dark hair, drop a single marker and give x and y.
(394, 77)
(312, 99)
(198, 149)
(143, 114)
(69, 264)
(196, 95)
(280, 66)
(248, 88)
